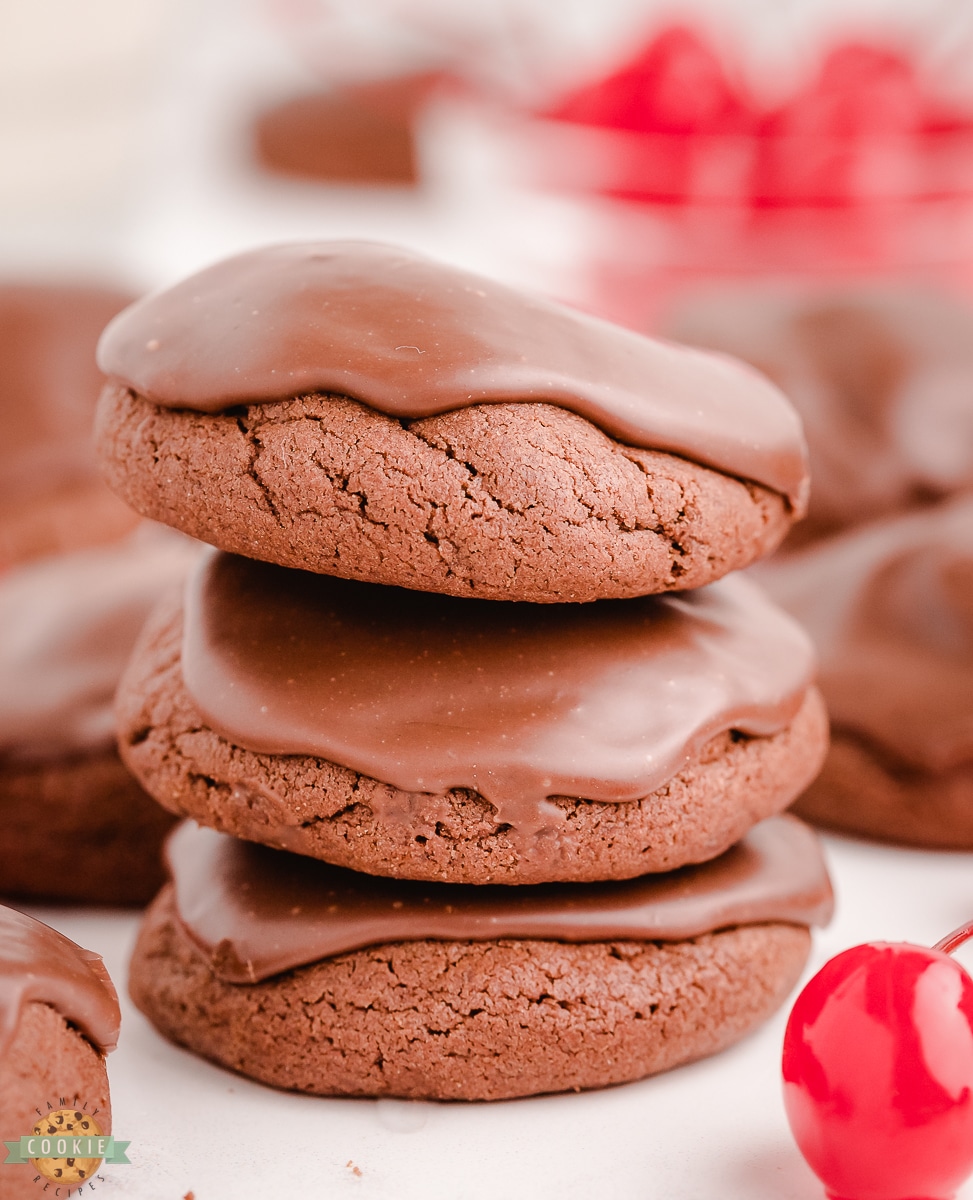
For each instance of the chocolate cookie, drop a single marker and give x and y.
(51, 496)
(890, 607)
(79, 829)
(318, 980)
(881, 378)
(356, 410)
(358, 134)
(74, 824)
(58, 1018)
(865, 791)
(433, 738)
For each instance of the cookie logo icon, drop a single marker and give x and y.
(59, 1131)
(67, 1145)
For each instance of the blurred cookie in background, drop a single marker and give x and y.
(354, 134)
(51, 495)
(882, 378)
(890, 609)
(74, 824)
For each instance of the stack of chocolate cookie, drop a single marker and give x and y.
(459, 835)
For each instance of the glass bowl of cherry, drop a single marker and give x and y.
(862, 167)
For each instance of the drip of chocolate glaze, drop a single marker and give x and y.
(890, 609)
(519, 702)
(38, 964)
(256, 912)
(413, 338)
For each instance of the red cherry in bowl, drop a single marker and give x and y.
(878, 1072)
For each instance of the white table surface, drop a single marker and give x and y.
(711, 1131)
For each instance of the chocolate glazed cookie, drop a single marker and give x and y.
(890, 607)
(79, 829)
(51, 498)
(470, 1020)
(356, 410)
(59, 1017)
(502, 501)
(321, 980)
(74, 824)
(693, 805)
(864, 790)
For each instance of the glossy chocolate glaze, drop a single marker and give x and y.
(412, 338)
(257, 911)
(67, 626)
(38, 964)
(890, 608)
(603, 701)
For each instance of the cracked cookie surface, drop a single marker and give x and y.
(460, 1020)
(521, 501)
(325, 810)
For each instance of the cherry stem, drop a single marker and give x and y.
(954, 940)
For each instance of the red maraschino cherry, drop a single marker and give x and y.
(676, 91)
(675, 85)
(878, 1072)
(820, 147)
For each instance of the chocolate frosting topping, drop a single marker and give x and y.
(602, 701)
(38, 964)
(890, 608)
(67, 627)
(412, 338)
(257, 911)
